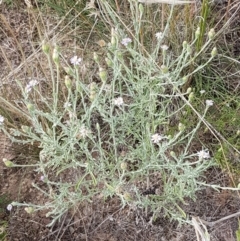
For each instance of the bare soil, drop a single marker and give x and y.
(108, 221)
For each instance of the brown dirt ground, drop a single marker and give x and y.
(98, 221)
(108, 221)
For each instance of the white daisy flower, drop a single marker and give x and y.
(43, 178)
(1, 120)
(203, 154)
(156, 138)
(159, 35)
(30, 85)
(9, 207)
(126, 41)
(164, 47)
(75, 60)
(67, 105)
(83, 132)
(118, 101)
(209, 103)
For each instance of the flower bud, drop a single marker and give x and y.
(164, 69)
(119, 190)
(55, 56)
(95, 57)
(79, 87)
(68, 82)
(119, 55)
(93, 87)
(124, 166)
(197, 33)
(163, 89)
(98, 126)
(211, 33)
(113, 41)
(69, 71)
(30, 107)
(184, 113)
(8, 163)
(45, 47)
(172, 153)
(220, 149)
(184, 44)
(181, 127)
(29, 210)
(127, 196)
(189, 50)
(113, 38)
(109, 62)
(189, 90)
(184, 79)
(141, 8)
(26, 129)
(214, 52)
(103, 75)
(191, 97)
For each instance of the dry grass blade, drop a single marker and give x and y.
(200, 230)
(166, 1)
(9, 29)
